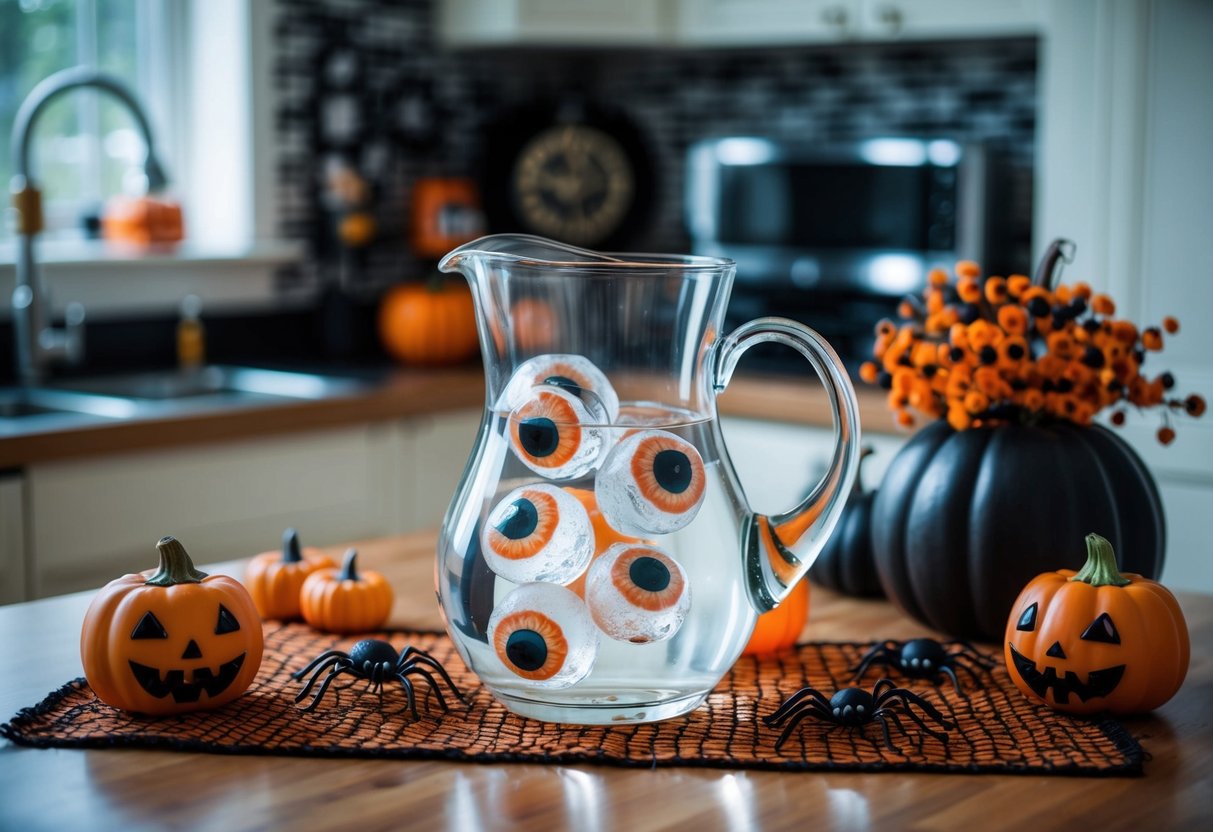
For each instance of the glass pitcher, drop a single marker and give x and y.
(599, 563)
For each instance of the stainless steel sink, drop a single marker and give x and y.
(217, 380)
(72, 403)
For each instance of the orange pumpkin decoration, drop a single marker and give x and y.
(778, 629)
(429, 325)
(534, 325)
(171, 640)
(1097, 640)
(274, 579)
(604, 536)
(347, 601)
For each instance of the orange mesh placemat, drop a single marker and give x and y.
(997, 729)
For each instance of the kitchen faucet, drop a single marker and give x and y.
(38, 343)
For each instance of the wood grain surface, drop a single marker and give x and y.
(60, 789)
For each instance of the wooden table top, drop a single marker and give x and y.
(43, 789)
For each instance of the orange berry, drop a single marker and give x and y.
(1166, 435)
(934, 300)
(886, 328)
(1170, 324)
(905, 419)
(996, 290)
(1103, 305)
(1033, 399)
(958, 418)
(1017, 284)
(1118, 418)
(906, 310)
(967, 268)
(1195, 405)
(976, 402)
(937, 277)
(868, 371)
(1081, 290)
(1151, 339)
(968, 289)
(1013, 320)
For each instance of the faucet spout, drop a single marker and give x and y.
(38, 344)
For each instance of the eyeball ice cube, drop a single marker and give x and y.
(637, 593)
(652, 482)
(575, 374)
(543, 633)
(550, 433)
(538, 533)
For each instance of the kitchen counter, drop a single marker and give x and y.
(127, 788)
(403, 393)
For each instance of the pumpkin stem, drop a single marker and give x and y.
(1100, 568)
(175, 565)
(1048, 270)
(348, 572)
(290, 547)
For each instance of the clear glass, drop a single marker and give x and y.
(647, 633)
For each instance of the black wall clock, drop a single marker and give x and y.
(571, 171)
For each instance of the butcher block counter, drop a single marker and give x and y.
(400, 394)
(119, 789)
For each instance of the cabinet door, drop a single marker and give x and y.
(436, 451)
(893, 19)
(563, 22)
(779, 464)
(12, 538)
(754, 22)
(95, 519)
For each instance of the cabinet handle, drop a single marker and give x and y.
(835, 16)
(891, 18)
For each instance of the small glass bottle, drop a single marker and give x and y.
(191, 335)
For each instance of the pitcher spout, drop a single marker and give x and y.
(471, 257)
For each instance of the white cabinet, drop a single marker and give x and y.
(695, 23)
(97, 518)
(553, 22)
(1125, 171)
(779, 463)
(12, 538)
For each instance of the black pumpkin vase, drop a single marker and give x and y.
(847, 564)
(963, 520)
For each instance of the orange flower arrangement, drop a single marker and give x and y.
(981, 351)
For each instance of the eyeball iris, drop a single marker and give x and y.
(548, 433)
(538, 533)
(651, 483)
(637, 593)
(542, 633)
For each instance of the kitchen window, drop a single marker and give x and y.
(86, 147)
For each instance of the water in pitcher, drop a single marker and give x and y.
(634, 673)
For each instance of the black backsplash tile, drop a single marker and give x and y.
(968, 90)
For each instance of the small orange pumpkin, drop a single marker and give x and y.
(429, 325)
(347, 601)
(274, 579)
(1097, 640)
(778, 629)
(171, 641)
(534, 325)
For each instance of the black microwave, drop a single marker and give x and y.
(833, 235)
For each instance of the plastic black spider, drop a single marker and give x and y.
(926, 658)
(855, 708)
(377, 662)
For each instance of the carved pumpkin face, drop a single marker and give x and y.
(1084, 648)
(165, 649)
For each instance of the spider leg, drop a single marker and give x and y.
(942, 736)
(951, 674)
(881, 690)
(797, 718)
(909, 697)
(327, 654)
(882, 716)
(328, 680)
(880, 654)
(420, 657)
(408, 692)
(974, 654)
(795, 699)
(334, 665)
(421, 671)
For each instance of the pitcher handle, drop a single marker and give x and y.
(779, 550)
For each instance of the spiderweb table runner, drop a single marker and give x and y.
(997, 730)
